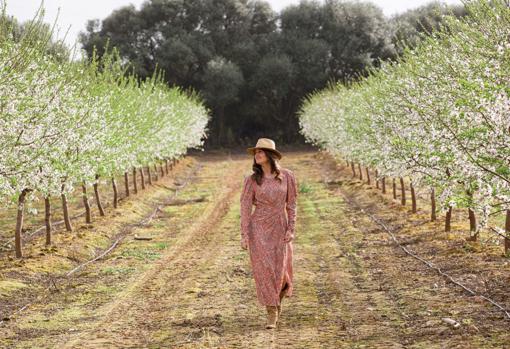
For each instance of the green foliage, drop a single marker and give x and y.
(270, 61)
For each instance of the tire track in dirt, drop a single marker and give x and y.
(130, 320)
(420, 297)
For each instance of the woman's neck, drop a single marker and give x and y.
(266, 169)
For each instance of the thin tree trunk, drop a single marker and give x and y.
(413, 198)
(433, 205)
(126, 183)
(472, 225)
(162, 170)
(88, 217)
(360, 172)
(368, 176)
(347, 163)
(353, 169)
(166, 167)
(377, 179)
(394, 189)
(115, 194)
(98, 198)
(156, 173)
(174, 161)
(67, 219)
(402, 191)
(47, 219)
(19, 223)
(149, 174)
(448, 220)
(135, 184)
(507, 231)
(383, 185)
(142, 177)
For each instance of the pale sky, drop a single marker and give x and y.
(75, 13)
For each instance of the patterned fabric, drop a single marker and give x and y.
(264, 230)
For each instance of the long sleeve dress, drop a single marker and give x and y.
(264, 230)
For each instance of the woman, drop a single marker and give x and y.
(268, 232)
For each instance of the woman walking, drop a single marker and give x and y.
(268, 232)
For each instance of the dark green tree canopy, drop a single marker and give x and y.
(253, 66)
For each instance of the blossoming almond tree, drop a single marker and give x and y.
(65, 123)
(440, 115)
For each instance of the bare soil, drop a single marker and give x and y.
(188, 284)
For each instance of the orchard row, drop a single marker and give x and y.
(67, 124)
(439, 116)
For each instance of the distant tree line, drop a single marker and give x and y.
(253, 66)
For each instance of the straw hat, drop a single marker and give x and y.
(266, 144)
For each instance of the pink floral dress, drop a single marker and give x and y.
(264, 230)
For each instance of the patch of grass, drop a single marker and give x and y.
(304, 188)
(62, 320)
(117, 270)
(7, 287)
(472, 246)
(142, 254)
(161, 245)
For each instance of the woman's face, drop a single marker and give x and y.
(260, 157)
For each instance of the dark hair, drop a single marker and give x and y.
(258, 174)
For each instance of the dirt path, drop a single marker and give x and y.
(192, 287)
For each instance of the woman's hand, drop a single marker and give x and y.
(244, 244)
(289, 236)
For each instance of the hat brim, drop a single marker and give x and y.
(251, 151)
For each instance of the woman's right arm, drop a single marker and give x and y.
(247, 199)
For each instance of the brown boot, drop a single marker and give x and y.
(272, 316)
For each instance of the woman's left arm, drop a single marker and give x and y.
(291, 206)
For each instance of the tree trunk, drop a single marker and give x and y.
(394, 189)
(402, 191)
(126, 183)
(98, 198)
(347, 163)
(47, 219)
(376, 179)
(88, 217)
(115, 194)
(135, 184)
(448, 220)
(368, 176)
(472, 225)
(360, 172)
(149, 174)
(156, 178)
(142, 177)
(353, 170)
(67, 219)
(507, 231)
(383, 185)
(162, 170)
(19, 223)
(433, 205)
(166, 166)
(413, 198)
